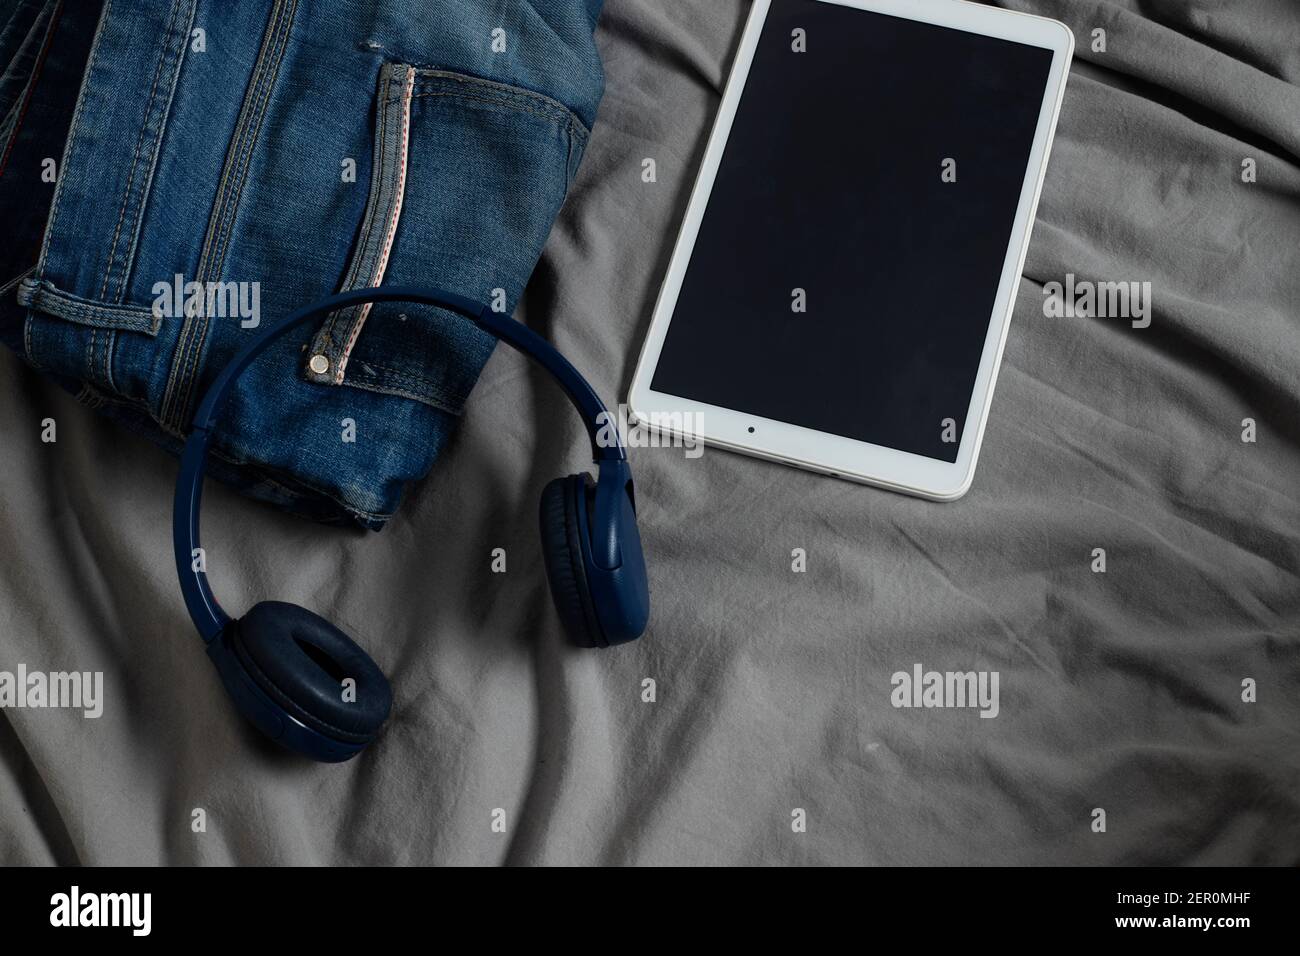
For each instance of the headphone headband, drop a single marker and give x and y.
(202, 605)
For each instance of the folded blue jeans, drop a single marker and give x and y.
(228, 162)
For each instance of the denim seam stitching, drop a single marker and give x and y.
(245, 155)
(503, 97)
(392, 217)
(175, 395)
(219, 200)
(145, 127)
(380, 197)
(378, 159)
(325, 341)
(229, 171)
(567, 123)
(199, 338)
(135, 159)
(181, 352)
(184, 369)
(158, 123)
(195, 330)
(434, 76)
(72, 135)
(375, 195)
(42, 295)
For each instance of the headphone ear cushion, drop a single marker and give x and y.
(301, 660)
(562, 553)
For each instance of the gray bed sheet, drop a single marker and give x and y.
(1119, 691)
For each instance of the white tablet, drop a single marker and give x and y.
(839, 294)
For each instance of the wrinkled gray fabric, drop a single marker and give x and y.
(1120, 691)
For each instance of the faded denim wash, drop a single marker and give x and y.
(216, 141)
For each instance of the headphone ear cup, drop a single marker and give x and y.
(301, 660)
(624, 593)
(562, 553)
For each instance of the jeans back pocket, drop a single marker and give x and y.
(467, 177)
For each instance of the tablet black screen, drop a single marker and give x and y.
(832, 182)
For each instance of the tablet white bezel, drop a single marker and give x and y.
(805, 447)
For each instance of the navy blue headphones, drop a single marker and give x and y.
(285, 666)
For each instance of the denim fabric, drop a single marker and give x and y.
(43, 49)
(212, 143)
